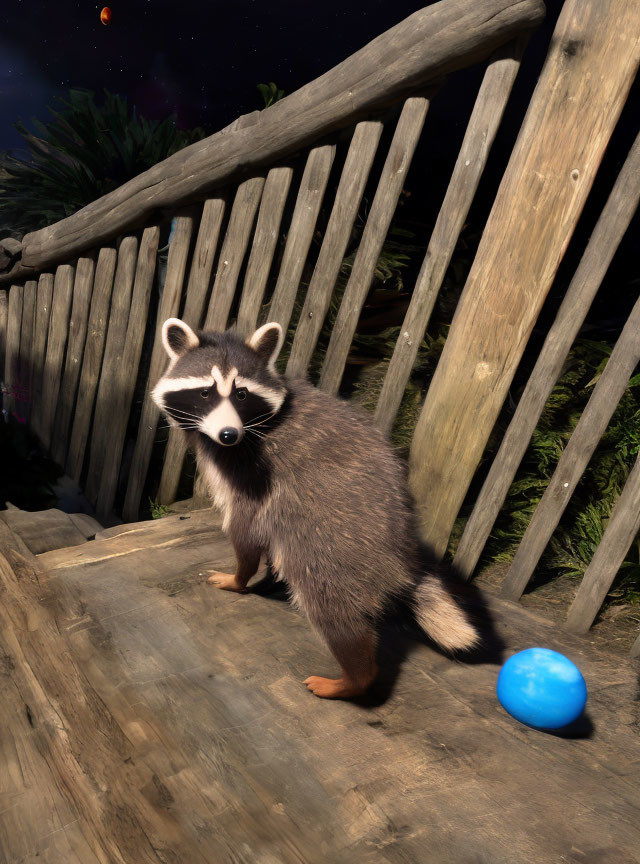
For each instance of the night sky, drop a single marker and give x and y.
(199, 59)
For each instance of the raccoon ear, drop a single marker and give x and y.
(178, 337)
(267, 342)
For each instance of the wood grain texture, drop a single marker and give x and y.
(193, 314)
(622, 529)
(111, 372)
(91, 360)
(44, 298)
(303, 223)
(362, 151)
(392, 179)
(185, 703)
(424, 47)
(607, 234)
(184, 225)
(56, 344)
(4, 314)
(474, 152)
(12, 346)
(232, 254)
(587, 74)
(635, 648)
(82, 289)
(575, 456)
(43, 531)
(125, 383)
(274, 197)
(24, 397)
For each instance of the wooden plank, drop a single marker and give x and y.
(56, 343)
(112, 365)
(23, 396)
(303, 223)
(44, 298)
(591, 64)
(44, 530)
(168, 308)
(196, 296)
(86, 750)
(12, 347)
(125, 382)
(4, 314)
(82, 288)
(607, 234)
(362, 151)
(635, 648)
(426, 46)
(274, 197)
(92, 360)
(234, 247)
(392, 179)
(474, 152)
(622, 529)
(575, 456)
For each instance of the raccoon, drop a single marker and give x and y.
(306, 480)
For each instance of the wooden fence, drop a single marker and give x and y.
(83, 337)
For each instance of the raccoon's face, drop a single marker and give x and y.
(219, 385)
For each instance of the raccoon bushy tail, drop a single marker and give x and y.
(441, 617)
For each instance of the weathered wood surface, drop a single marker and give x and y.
(635, 648)
(193, 314)
(622, 529)
(82, 288)
(392, 179)
(607, 234)
(125, 382)
(591, 64)
(272, 203)
(44, 298)
(43, 531)
(4, 314)
(576, 455)
(360, 156)
(25, 385)
(186, 703)
(168, 308)
(12, 346)
(232, 254)
(92, 360)
(112, 364)
(303, 223)
(56, 343)
(424, 47)
(481, 131)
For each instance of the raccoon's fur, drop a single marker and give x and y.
(306, 480)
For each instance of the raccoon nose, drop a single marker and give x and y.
(228, 435)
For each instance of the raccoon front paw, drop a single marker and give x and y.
(333, 688)
(226, 581)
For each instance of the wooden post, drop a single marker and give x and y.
(393, 176)
(82, 288)
(591, 64)
(4, 313)
(622, 529)
(25, 377)
(56, 343)
(169, 305)
(195, 299)
(91, 360)
(472, 158)
(575, 457)
(12, 347)
(44, 299)
(612, 224)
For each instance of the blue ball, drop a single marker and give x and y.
(542, 688)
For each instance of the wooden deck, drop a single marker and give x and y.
(147, 717)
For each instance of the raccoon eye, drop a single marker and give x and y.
(204, 394)
(241, 393)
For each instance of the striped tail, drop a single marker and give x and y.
(441, 617)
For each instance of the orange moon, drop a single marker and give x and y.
(105, 15)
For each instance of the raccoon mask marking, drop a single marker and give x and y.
(219, 385)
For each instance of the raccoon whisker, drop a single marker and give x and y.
(251, 425)
(184, 413)
(259, 435)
